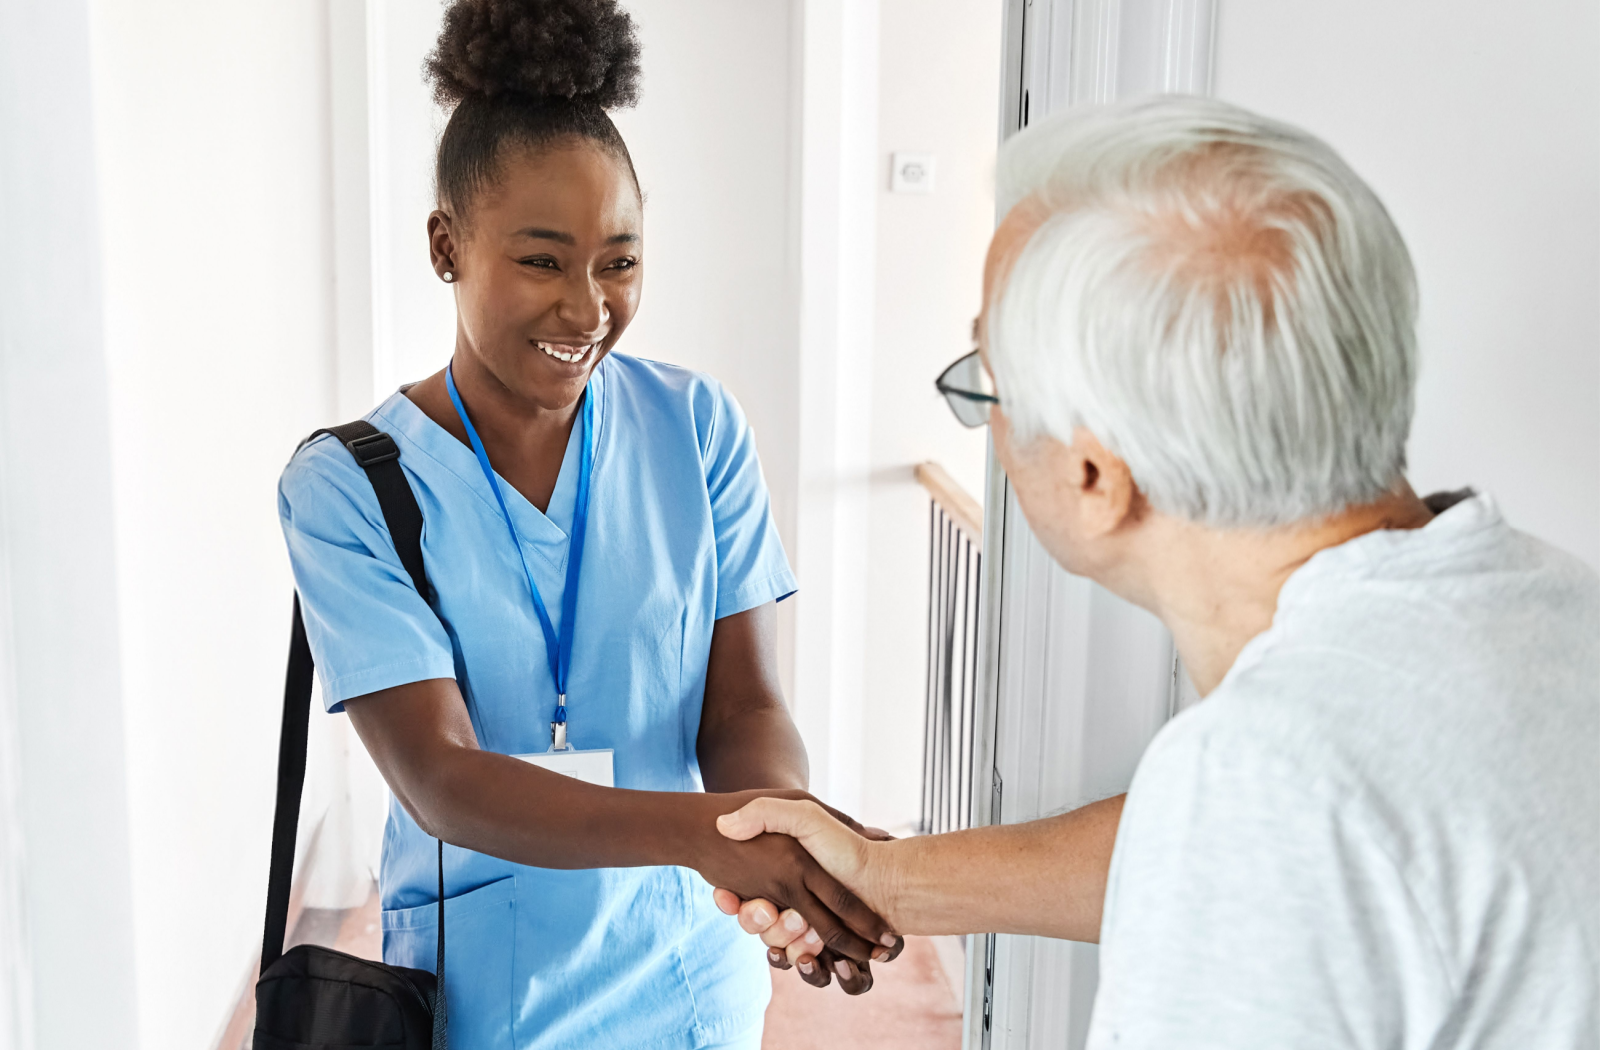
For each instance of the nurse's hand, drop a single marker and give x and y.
(777, 868)
(792, 944)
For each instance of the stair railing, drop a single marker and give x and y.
(955, 556)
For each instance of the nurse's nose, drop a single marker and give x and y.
(584, 308)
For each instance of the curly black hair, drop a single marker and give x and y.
(526, 73)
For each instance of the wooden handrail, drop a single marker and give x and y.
(958, 504)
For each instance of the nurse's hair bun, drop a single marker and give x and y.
(580, 51)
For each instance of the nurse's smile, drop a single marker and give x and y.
(563, 351)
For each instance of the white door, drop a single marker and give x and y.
(1075, 680)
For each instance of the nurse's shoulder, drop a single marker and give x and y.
(660, 395)
(323, 480)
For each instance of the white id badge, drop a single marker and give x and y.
(592, 767)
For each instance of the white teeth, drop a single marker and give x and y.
(575, 355)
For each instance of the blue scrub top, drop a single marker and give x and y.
(680, 534)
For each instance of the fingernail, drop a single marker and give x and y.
(794, 921)
(812, 938)
(880, 954)
(844, 969)
(763, 916)
(805, 966)
(889, 940)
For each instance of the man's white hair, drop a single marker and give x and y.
(1216, 297)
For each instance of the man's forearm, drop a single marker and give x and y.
(1046, 877)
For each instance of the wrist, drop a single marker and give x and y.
(690, 827)
(883, 880)
(666, 828)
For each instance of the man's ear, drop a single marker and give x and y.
(1107, 496)
(441, 245)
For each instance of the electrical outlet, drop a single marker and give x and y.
(911, 173)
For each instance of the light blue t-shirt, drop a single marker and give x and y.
(680, 534)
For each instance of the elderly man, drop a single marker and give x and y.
(1382, 826)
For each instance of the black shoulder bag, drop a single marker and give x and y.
(314, 998)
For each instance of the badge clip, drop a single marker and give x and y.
(558, 728)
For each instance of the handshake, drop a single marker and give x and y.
(828, 913)
(830, 897)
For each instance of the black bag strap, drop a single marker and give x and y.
(291, 777)
(377, 454)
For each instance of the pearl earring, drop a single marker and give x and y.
(448, 277)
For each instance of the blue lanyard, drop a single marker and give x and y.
(559, 650)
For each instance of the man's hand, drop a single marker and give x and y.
(777, 868)
(843, 853)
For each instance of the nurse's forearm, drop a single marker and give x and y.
(507, 808)
(425, 746)
(423, 743)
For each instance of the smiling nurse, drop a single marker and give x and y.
(597, 531)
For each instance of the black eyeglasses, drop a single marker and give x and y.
(968, 390)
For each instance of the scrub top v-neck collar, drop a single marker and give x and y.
(548, 532)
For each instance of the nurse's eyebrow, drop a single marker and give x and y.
(542, 234)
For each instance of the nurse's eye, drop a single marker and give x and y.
(540, 262)
(624, 264)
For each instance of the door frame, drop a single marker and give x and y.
(1059, 53)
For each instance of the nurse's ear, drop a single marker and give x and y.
(442, 246)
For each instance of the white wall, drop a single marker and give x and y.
(836, 91)
(938, 83)
(1479, 126)
(414, 316)
(215, 195)
(65, 848)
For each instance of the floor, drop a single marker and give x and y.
(912, 1003)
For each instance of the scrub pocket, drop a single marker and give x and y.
(480, 952)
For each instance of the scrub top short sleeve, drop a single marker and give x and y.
(366, 622)
(679, 534)
(751, 566)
